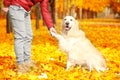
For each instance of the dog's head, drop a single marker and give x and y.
(69, 25)
(68, 22)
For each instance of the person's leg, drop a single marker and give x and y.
(28, 42)
(18, 22)
(28, 38)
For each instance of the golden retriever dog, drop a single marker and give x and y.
(79, 49)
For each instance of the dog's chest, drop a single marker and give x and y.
(71, 41)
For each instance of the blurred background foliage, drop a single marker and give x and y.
(99, 19)
(80, 9)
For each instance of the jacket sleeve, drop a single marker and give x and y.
(46, 14)
(7, 3)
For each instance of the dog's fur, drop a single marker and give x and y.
(79, 49)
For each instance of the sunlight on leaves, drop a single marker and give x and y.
(52, 62)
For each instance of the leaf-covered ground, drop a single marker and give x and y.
(51, 61)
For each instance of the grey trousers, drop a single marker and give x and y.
(23, 35)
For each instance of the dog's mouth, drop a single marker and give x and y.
(67, 28)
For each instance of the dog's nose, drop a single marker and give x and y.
(67, 23)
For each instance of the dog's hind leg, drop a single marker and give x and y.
(90, 67)
(69, 64)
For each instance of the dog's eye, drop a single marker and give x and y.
(65, 19)
(70, 19)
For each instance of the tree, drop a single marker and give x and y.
(115, 5)
(52, 8)
(8, 24)
(37, 13)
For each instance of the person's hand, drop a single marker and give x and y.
(5, 9)
(52, 30)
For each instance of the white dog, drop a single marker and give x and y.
(79, 49)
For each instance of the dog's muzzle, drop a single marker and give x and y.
(67, 27)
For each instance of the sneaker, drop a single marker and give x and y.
(30, 65)
(21, 68)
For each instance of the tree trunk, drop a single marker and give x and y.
(80, 11)
(107, 11)
(89, 14)
(64, 8)
(8, 24)
(56, 10)
(37, 12)
(72, 12)
(94, 14)
(52, 8)
(84, 14)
